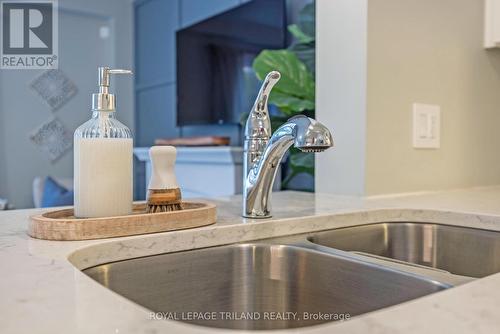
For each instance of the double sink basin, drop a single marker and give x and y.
(306, 279)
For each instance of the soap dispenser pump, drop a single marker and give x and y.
(103, 157)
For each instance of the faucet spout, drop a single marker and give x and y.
(305, 134)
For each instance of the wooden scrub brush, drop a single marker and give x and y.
(164, 194)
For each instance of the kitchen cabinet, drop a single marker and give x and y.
(491, 24)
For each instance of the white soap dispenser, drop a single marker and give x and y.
(103, 158)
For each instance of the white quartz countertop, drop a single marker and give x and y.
(43, 290)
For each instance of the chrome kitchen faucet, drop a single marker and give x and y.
(263, 152)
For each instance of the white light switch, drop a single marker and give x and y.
(426, 125)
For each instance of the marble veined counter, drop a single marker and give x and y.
(43, 290)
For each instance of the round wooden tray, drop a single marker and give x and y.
(62, 225)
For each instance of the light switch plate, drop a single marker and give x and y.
(426, 126)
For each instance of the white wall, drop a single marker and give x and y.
(21, 110)
(375, 59)
(341, 93)
(431, 51)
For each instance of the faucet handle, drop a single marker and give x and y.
(271, 79)
(258, 125)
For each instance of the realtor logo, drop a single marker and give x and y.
(29, 35)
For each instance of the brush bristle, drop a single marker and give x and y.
(164, 200)
(164, 208)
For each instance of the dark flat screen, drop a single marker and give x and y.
(215, 80)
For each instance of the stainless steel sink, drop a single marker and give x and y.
(458, 250)
(260, 281)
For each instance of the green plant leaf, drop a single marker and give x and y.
(299, 34)
(296, 80)
(305, 34)
(294, 93)
(307, 19)
(306, 52)
(277, 121)
(301, 162)
(290, 105)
